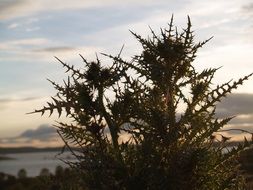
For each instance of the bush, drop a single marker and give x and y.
(44, 172)
(22, 174)
(148, 123)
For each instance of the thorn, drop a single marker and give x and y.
(84, 60)
(189, 21)
(121, 50)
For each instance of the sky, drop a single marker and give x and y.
(32, 32)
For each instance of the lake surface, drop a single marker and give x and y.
(34, 162)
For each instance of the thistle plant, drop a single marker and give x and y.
(149, 122)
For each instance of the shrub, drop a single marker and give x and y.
(148, 123)
(22, 173)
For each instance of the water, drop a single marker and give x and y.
(33, 162)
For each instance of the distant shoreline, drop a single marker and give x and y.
(6, 158)
(11, 150)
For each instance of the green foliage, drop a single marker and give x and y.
(162, 108)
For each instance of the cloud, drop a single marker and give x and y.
(66, 53)
(14, 120)
(245, 127)
(239, 105)
(59, 49)
(7, 100)
(236, 104)
(4, 102)
(248, 9)
(43, 133)
(13, 25)
(32, 29)
(247, 13)
(43, 136)
(28, 49)
(13, 8)
(26, 23)
(14, 45)
(10, 9)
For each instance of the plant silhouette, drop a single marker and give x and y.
(148, 123)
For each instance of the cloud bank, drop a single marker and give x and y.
(239, 105)
(10, 9)
(43, 136)
(43, 132)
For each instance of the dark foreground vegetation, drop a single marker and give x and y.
(149, 122)
(246, 167)
(66, 178)
(62, 179)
